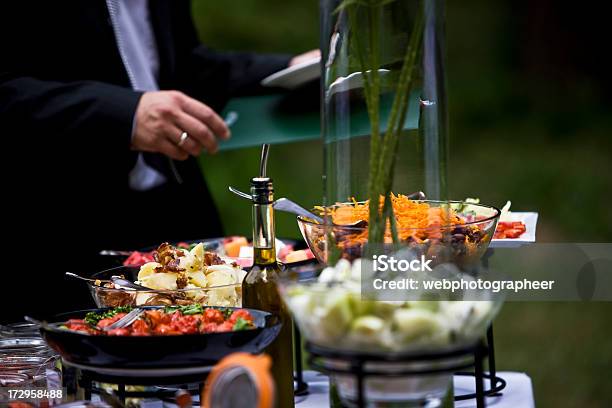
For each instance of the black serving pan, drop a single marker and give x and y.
(138, 352)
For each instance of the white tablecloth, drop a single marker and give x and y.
(517, 394)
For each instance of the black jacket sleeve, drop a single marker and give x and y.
(246, 70)
(49, 89)
(215, 76)
(79, 109)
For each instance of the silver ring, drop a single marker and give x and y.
(184, 137)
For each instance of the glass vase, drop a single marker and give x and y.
(384, 118)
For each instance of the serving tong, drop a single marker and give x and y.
(125, 321)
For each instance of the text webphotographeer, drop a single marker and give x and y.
(462, 285)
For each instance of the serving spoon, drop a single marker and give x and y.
(286, 205)
(282, 204)
(118, 280)
(112, 252)
(75, 276)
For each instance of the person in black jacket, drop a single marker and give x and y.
(104, 107)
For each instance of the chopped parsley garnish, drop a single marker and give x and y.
(195, 308)
(227, 313)
(92, 318)
(241, 324)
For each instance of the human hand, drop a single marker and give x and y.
(163, 116)
(310, 55)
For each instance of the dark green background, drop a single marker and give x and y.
(529, 121)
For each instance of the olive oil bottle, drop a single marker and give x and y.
(259, 288)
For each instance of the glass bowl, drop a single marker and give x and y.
(14, 380)
(332, 315)
(19, 329)
(25, 346)
(457, 243)
(224, 295)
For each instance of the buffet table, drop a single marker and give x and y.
(518, 391)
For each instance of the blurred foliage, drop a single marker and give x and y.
(528, 122)
(273, 26)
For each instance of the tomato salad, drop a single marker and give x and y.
(172, 320)
(509, 229)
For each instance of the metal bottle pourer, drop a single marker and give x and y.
(263, 162)
(263, 189)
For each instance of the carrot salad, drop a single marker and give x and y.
(415, 220)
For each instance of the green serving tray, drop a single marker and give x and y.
(286, 118)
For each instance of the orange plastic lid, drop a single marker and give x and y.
(240, 380)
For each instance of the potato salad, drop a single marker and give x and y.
(183, 269)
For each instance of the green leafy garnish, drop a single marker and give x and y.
(92, 318)
(227, 313)
(171, 309)
(241, 324)
(192, 309)
(195, 308)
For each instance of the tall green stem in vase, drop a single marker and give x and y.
(364, 17)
